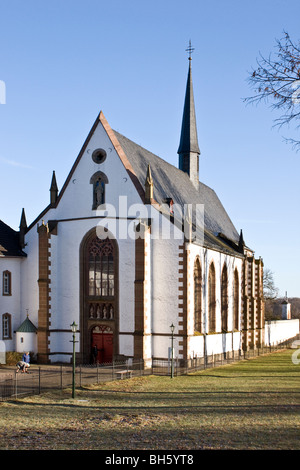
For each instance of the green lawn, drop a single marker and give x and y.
(253, 404)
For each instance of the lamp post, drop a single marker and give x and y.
(172, 350)
(74, 329)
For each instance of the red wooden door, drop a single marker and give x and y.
(102, 338)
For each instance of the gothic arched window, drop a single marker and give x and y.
(212, 299)
(236, 300)
(224, 299)
(197, 296)
(101, 268)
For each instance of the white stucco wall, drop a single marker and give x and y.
(280, 330)
(26, 342)
(165, 285)
(11, 303)
(29, 277)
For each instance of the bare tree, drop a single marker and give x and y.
(269, 288)
(277, 79)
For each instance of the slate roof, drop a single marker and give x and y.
(170, 182)
(9, 241)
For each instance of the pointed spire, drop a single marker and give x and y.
(23, 228)
(241, 242)
(53, 190)
(188, 149)
(148, 186)
(23, 223)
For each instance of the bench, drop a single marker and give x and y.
(121, 374)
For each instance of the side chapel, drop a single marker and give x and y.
(128, 247)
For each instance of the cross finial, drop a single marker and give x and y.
(190, 50)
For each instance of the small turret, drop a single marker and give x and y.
(286, 309)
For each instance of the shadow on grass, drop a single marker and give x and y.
(237, 406)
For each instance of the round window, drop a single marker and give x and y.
(99, 155)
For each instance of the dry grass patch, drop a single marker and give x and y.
(249, 405)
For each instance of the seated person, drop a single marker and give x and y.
(22, 366)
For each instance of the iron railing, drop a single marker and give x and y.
(54, 377)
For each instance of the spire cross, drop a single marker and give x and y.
(190, 50)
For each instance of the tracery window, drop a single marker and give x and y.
(101, 268)
(198, 296)
(224, 299)
(212, 299)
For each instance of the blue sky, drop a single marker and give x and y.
(63, 61)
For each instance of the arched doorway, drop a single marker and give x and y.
(102, 339)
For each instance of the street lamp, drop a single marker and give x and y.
(74, 329)
(172, 351)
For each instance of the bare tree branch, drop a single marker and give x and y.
(277, 80)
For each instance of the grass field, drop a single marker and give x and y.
(252, 404)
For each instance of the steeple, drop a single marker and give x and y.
(53, 190)
(188, 150)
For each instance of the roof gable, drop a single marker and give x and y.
(101, 119)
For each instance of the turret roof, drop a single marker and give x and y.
(27, 327)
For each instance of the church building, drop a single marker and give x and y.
(130, 249)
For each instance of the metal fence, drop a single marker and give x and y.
(58, 377)
(44, 378)
(182, 367)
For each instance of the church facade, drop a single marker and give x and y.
(131, 248)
